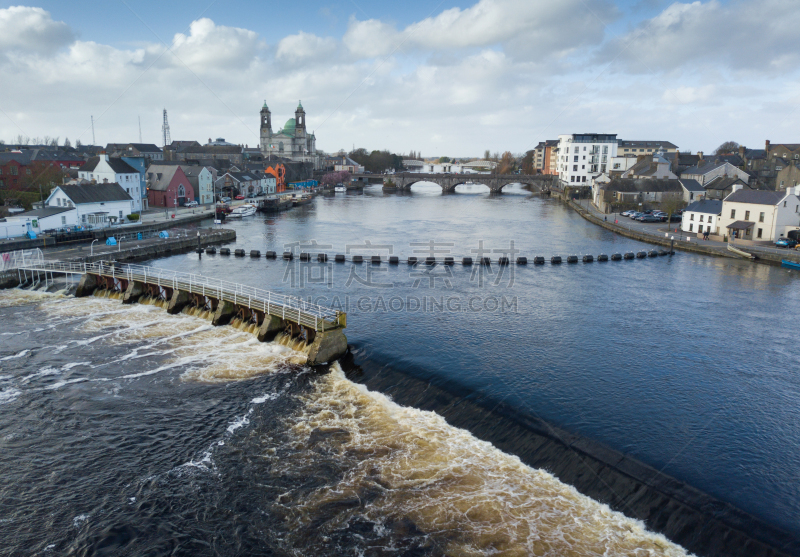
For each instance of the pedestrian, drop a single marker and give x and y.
(605, 218)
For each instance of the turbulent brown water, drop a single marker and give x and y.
(125, 430)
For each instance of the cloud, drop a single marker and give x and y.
(527, 29)
(32, 30)
(305, 47)
(689, 95)
(743, 35)
(210, 46)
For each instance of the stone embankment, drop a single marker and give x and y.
(762, 256)
(162, 247)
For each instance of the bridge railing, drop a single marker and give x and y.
(281, 305)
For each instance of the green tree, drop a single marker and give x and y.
(444, 159)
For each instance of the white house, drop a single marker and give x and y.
(759, 215)
(95, 204)
(110, 170)
(702, 216)
(582, 156)
(38, 221)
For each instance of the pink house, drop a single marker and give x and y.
(167, 186)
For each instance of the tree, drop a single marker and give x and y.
(671, 203)
(444, 159)
(487, 155)
(727, 148)
(333, 178)
(67, 144)
(527, 163)
(78, 143)
(507, 164)
(54, 142)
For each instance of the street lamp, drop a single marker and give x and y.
(91, 247)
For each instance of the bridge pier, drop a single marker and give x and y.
(327, 346)
(134, 292)
(86, 286)
(225, 312)
(270, 327)
(179, 300)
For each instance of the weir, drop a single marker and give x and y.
(321, 329)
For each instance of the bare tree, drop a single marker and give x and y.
(54, 142)
(487, 155)
(78, 143)
(67, 143)
(671, 203)
(727, 148)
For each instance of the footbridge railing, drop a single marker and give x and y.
(288, 308)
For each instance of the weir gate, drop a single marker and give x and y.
(321, 328)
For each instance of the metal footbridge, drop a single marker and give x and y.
(164, 283)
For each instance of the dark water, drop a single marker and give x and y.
(124, 429)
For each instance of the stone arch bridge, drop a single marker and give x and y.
(448, 182)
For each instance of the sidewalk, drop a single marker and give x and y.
(157, 215)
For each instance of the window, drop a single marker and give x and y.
(28, 171)
(701, 218)
(575, 168)
(759, 233)
(14, 170)
(83, 219)
(691, 216)
(575, 159)
(761, 217)
(690, 227)
(120, 215)
(733, 213)
(584, 178)
(572, 178)
(747, 215)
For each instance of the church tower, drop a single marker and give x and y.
(266, 128)
(300, 120)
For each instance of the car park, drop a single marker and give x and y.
(786, 243)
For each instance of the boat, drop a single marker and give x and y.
(274, 204)
(243, 211)
(299, 200)
(790, 264)
(340, 189)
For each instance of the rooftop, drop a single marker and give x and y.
(710, 206)
(95, 193)
(757, 197)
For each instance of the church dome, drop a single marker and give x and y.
(289, 125)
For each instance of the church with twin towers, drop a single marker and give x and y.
(290, 142)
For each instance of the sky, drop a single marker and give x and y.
(440, 77)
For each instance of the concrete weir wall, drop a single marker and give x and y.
(324, 346)
(167, 247)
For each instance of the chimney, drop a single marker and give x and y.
(741, 151)
(766, 148)
(736, 187)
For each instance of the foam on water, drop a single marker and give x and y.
(412, 465)
(9, 394)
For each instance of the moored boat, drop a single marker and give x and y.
(243, 211)
(790, 264)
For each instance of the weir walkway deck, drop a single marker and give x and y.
(321, 328)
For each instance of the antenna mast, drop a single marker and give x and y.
(93, 140)
(140, 129)
(165, 130)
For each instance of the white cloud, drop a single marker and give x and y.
(305, 47)
(371, 38)
(689, 95)
(750, 35)
(211, 46)
(32, 30)
(526, 28)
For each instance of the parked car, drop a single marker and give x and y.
(239, 197)
(786, 243)
(635, 215)
(648, 218)
(627, 213)
(676, 217)
(192, 203)
(226, 199)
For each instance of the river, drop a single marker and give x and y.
(124, 429)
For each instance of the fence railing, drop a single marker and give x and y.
(287, 307)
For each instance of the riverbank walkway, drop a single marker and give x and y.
(663, 234)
